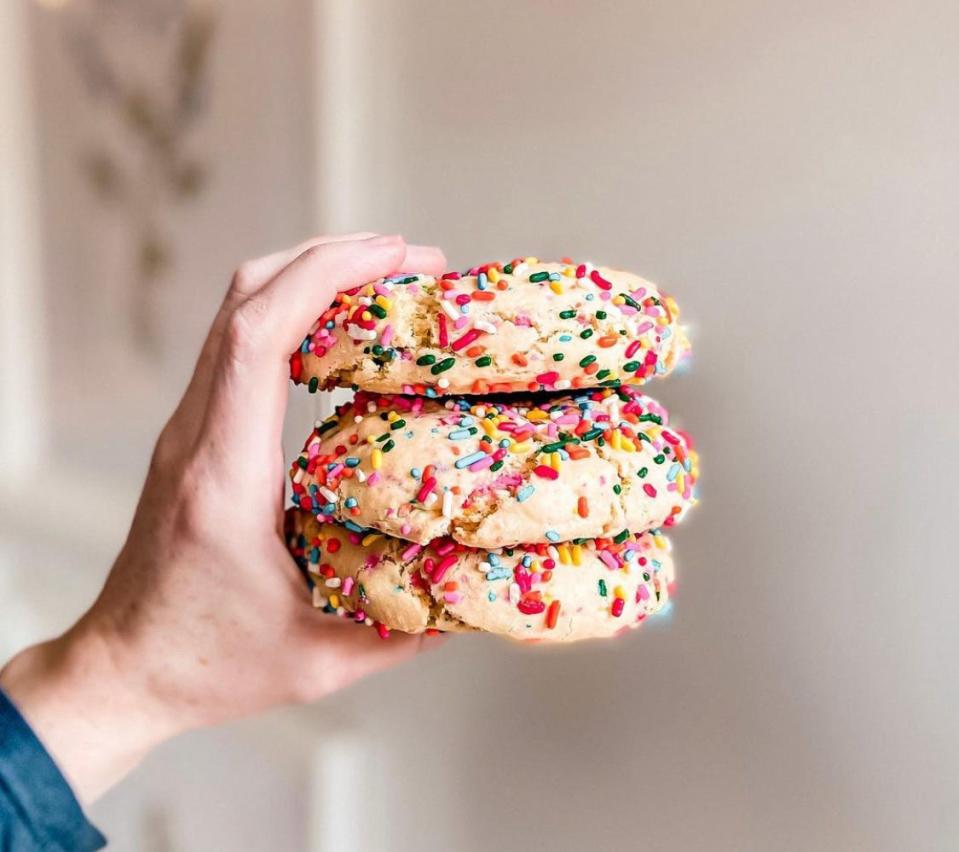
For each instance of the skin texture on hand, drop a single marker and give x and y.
(204, 616)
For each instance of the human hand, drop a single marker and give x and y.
(204, 615)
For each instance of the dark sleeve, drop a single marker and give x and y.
(37, 807)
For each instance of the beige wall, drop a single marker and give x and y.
(790, 172)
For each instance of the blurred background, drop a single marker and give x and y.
(788, 170)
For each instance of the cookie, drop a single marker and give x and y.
(498, 471)
(522, 326)
(559, 593)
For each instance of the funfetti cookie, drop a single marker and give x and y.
(520, 326)
(560, 593)
(498, 471)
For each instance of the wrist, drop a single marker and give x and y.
(93, 713)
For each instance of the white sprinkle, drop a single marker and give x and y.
(431, 498)
(483, 325)
(514, 593)
(450, 310)
(444, 382)
(485, 567)
(298, 476)
(330, 496)
(553, 553)
(360, 476)
(334, 582)
(358, 418)
(563, 384)
(319, 601)
(447, 504)
(358, 333)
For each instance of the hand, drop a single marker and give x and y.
(205, 616)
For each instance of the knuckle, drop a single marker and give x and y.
(245, 278)
(243, 329)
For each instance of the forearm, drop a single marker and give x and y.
(90, 714)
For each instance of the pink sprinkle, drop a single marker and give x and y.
(347, 585)
(670, 437)
(631, 349)
(444, 565)
(482, 464)
(642, 329)
(387, 335)
(452, 597)
(411, 551)
(373, 478)
(642, 593)
(649, 489)
(427, 489)
(599, 281)
(609, 559)
(406, 529)
(381, 289)
(465, 340)
(459, 322)
(444, 548)
(567, 420)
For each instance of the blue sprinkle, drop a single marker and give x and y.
(416, 473)
(466, 421)
(552, 535)
(500, 572)
(314, 555)
(590, 297)
(481, 281)
(565, 338)
(491, 596)
(673, 471)
(504, 443)
(525, 493)
(353, 527)
(329, 508)
(431, 393)
(305, 346)
(349, 502)
(527, 561)
(352, 461)
(458, 434)
(492, 558)
(554, 276)
(466, 461)
(330, 324)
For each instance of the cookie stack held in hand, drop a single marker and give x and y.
(498, 468)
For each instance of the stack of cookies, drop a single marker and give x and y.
(498, 468)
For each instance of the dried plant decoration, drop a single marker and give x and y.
(145, 64)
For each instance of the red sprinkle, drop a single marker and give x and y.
(427, 489)
(631, 349)
(552, 615)
(444, 334)
(546, 472)
(649, 489)
(599, 281)
(617, 609)
(465, 340)
(549, 378)
(530, 606)
(442, 567)
(582, 507)
(296, 366)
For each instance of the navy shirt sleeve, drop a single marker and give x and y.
(37, 807)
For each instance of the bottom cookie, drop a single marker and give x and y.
(558, 592)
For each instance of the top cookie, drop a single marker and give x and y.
(524, 325)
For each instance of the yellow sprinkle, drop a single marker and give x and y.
(554, 461)
(680, 482)
(537, 414)
(392, 417)
(616, 440)
(383, 302)
(369, 539)
(367, 315)
(562, 551)
(662, 320)
(618, 300)
(627, 444)
(534, 567)
(569, 271)
(660, 541)
(492, 274)
(345, 300)
(371, 439)
(532, 260)
(519, 448)
(619, 592)
(489, 427)
(376, 458)
(556, 287)
(335, 601)
(577, 554)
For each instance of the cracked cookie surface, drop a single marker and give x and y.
(520, 326)
(499, 471)
(561, 593)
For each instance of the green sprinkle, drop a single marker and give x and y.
(619, 539)
(659, 459)
(617, 489)
(314, 384)
(388, 445)
(558, 356)
(496, 465)
(600, 314)
(641, 473)
(602, 588)
(586, 333)
(629, 300)
(655, 418)
(587, 361)
(602, 374)
(556, 446)
(484, 361)
(592, 434)
(397, 424)
(377, 349)
(508, 269)
(302, 462)
(567, 314)
(424, 360)
(442, 366)
(378, 310)
(631, 366)
(536, 277)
